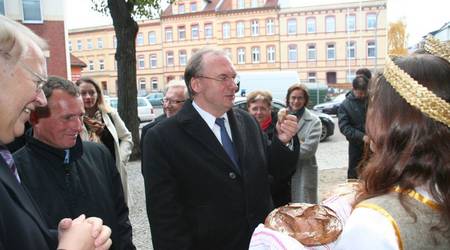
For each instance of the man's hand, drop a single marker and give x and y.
(287, 128)
(83, 234)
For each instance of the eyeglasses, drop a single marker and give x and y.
(40, 79)
(224, 78)
(164, 101)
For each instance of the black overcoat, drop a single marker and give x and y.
(195, 199)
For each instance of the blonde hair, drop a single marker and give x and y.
(259, 95)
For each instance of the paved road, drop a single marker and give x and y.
(331, 157)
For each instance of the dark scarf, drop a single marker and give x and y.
(299, 113)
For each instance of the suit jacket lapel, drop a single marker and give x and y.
(19, 194)
(194, 125)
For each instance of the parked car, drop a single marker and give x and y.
(145, 108)
(331, 107)
(155, 98)
(327, 121)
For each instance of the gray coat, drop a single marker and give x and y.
(304, 180)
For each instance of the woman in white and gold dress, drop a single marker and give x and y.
(404, 202)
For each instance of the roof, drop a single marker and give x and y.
(75, 61)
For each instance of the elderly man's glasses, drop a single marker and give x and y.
(168, 101)
(40, 79)
(224, 79)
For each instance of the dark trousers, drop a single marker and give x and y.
(355, 154)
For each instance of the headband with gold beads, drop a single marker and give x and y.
(415, 94)
(437, 48)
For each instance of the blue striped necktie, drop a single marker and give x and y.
(226, 142)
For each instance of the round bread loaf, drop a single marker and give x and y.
(310, 224)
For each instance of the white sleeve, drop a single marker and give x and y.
(369, 230)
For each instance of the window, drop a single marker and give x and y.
(226, 30)
(292, 53)
(255, 28)
(311, 25)
(194, 31)
(153, 61)
(91, 65)
(193, 7)
(371, 21)
(142, 85)
(351, 50)
(241, 55)
(270, 29)
(152, 37)
(141, 62)
(240, 29)
(182, 57)
(331, 52)
(351, 23)
(79, 45)
(89, 44)
(169, 58)
(140, 39)
(311, 76)
(114, 42)
(70, 46)
(154, 83)
(255, 55)
(292, 26)
(101, 64)
(330, 23)
(271, 54)
(99, 43)
(254, 3)
(2, 7)
(371, 49)
(32, 11)
(351, 74)
(181, 8)
(311, 52)
(228, 53)
(181, 33)
(208, 30)
(240, 4)
(169, 34)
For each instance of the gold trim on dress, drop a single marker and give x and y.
(416, 196)
(388, 216)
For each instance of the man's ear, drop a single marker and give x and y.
(39, 112)
(196, 85)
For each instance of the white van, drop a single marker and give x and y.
(277, 83)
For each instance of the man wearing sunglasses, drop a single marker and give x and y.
(206, 168)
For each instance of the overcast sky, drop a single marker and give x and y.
(421, 16)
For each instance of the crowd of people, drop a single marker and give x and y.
(212, 173)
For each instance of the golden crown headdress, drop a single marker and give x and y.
(415, 94)
(437, 48)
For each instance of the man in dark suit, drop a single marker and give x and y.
(22, 73)
(175, 95)
(206, 168)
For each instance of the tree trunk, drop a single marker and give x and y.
(126, 30)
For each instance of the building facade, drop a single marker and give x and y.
(46, 19)
(323, 43)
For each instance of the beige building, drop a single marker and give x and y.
(323, 43)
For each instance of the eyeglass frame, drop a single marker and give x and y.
(41, 80)
(234, 79)
(164, 100)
